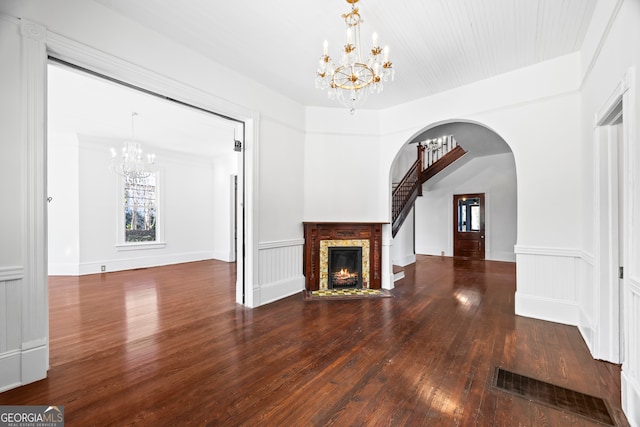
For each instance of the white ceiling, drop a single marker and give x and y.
(435, 44)
(84, 104)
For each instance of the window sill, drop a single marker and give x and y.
(134, 246)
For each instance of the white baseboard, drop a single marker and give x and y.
(34, 364)
(404, 261)
(271, 292)
(63, 269)
(142, 262)
(502, 256)
(24, 366)
(224, 256)
(388, 284)
(9, 370)
(630, 399)
(558, 311)
(585, 326)
(398, 276)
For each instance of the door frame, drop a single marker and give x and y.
(608, 289)
(37, 44)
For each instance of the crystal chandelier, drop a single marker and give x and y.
(130, 163)
(353, 80)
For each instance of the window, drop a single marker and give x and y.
(139, 213)
(140, 209)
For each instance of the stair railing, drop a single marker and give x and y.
(406, 192)
(435, 149)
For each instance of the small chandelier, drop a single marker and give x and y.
(353, 80)
(130, 163)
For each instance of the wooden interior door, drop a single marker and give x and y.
(468, 225)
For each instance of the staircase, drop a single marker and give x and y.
(433, 157)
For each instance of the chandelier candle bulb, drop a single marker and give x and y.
(325, 48)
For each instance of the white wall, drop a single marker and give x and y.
(194, 208)
(493, 175)
(341, 167)
(63, 180)
(406, 158)
(225, 168)
(402, 251)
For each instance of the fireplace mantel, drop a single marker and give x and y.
(316, 232)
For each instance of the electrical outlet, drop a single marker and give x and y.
(103, 268)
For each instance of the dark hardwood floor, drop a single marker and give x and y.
(168, 346)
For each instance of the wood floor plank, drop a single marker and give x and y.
(169, 346)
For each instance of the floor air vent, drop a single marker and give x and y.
(557, 397)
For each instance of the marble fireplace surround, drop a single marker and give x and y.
(319, 236)
(346, 243)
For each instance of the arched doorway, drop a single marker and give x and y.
(488, 168)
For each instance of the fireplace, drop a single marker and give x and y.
(342, 255)
(344, 267)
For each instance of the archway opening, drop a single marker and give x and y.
(487, 167)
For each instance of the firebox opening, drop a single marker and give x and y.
(345, 267)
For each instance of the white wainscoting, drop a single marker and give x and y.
(547, 283)
(631, 366)
(279, 270)
(11, 279)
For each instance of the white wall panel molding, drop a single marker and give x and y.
(281, 244)
(630, 398)
(546, 283)
(92, 59)
(630, 382)
(34, 295)
(594, 55)
(11, 273)
(10, 315)
(549, 251)
(280, 270)
(10, 19)
(556, 284)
